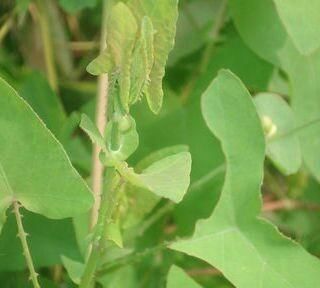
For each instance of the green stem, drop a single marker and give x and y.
(47, 44)
(23, 237)
(108, 202)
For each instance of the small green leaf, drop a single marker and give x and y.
(29, 151)
(283, 147)
(75, 269)
(164, 16)
(169, 177)
(102, 64)
(233, 239)
(178, 278)
(91, 129)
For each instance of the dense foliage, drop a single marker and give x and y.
(159, 143)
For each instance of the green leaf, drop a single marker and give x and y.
(274, 45)
(121, 37)
(178, 278)
(91, 129)
(102, 64)
(283, 148)
(114, 234)
(169, 177)
(127, 141)
(302, 22)
(39, 95)
(73, 6)
(75, 269)
(142, 60)
(233, 239)
(34, 168)
(164, 17)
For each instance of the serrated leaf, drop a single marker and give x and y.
(283, 148)
(169, 177)
(302, 22)
(178, 278)
(34, 168)
(164, 17)
(102, 64)
(91, 129)
(233, 239)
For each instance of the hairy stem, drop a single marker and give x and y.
(101, 120)
(47, 44)
(23, 238)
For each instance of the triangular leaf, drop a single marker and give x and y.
(169, 177)
(75, 269)
(233, 239)
(35, 170)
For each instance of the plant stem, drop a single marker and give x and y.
(101, 121)
(47, 44)
(108, 203)
(23, 237)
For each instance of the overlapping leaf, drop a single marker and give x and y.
(283, 147)
(29, 151)
(269, 39)
(233, 239)
(164, 16)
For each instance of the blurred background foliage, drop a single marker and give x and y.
(45, 47)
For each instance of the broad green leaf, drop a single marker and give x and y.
(283, 147)
(91, 129)
(233, 239)
(164, 17)
(121, 37)
(178, 278)
(73, 6)
(275, 45)
(142, 60)
(302, 22)
(169, 177)
(34, 168)
(102, 64)
(74, 268)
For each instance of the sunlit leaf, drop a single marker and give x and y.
(233, 239)
(178, 278)
(28, 150)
